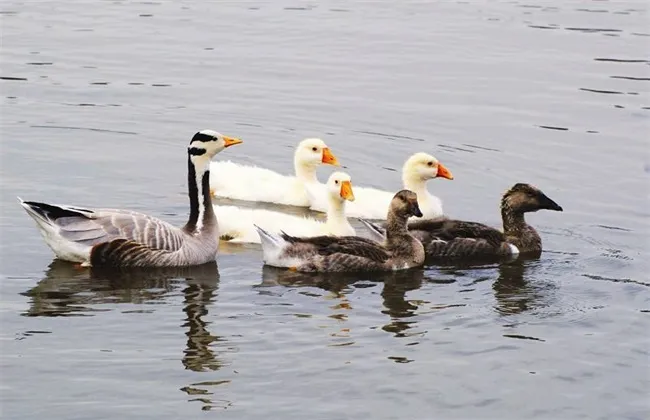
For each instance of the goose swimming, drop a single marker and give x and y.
(252, 183)
(445, 238)
(238, 224)
(122, 238)
(372, 203)
(400, 251)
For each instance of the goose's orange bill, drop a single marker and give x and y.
(346, 191)
(329, 158)
(231, 141)
(443, 172)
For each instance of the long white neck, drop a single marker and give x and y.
(336, 222)
(419, 186)
(305, 173)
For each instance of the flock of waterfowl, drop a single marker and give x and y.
(415, 227)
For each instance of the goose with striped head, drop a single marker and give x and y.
(123, 238)
(449, 239)
(400, 251)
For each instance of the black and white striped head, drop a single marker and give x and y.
(207, 143)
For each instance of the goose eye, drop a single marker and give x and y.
(336, 182)
(315, 149)
(429, 163)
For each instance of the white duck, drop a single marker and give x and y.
(238, 225)
(252, 183)
(123, 238)
(372, 203)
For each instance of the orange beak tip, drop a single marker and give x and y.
(231, 141)
(443, 172)
(346, 191)
(329, 158)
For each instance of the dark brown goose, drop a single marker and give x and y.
(122, 238)
(401, 250)
(445, 238)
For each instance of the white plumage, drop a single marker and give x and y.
(372, 203)
(252, 183)
(238, 224)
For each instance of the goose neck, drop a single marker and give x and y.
(202, 215)
(305, 173)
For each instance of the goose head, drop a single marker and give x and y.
(420, 168)
(311, 153)
(207, 143)
(525, 198)
(404, 205)
(339, 190)
(339, 187)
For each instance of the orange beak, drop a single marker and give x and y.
(329, 158)
(443, 172)
(346, 191)
(231, 141)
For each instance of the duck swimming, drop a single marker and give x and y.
(123, 238)
(252, 183)
(400, 251)
(372, 203)
(238, 225)
(445, 238)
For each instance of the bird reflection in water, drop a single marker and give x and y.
(395, 286)
(198, 293)
(518, 289)
(397, 306)
(68, 290)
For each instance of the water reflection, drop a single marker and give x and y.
(200, 292)
(68, 290)
(397, 306)
(516, 290)
(395, 286)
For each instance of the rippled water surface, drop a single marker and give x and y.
(99, 99)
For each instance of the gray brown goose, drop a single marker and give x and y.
(351, 253)
(445, 238)
(122, 238)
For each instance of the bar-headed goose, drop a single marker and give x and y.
(445, 238)
(252, 183)
(238, 225)
(401, 250)
(122, 238)
(372, 203)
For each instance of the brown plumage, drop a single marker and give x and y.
(351, 253)
(445, 238)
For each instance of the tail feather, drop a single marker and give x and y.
(377, 232)
(268, 238)
(52, 212)
(273, 247)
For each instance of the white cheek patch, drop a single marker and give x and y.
(513, 249)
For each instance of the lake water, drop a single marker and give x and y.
(99, 100)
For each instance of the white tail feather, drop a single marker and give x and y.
(273, 247)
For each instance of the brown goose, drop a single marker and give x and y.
(122, 238)
(445, 238)
(401, 250)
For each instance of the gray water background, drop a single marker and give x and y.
(99, 100)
